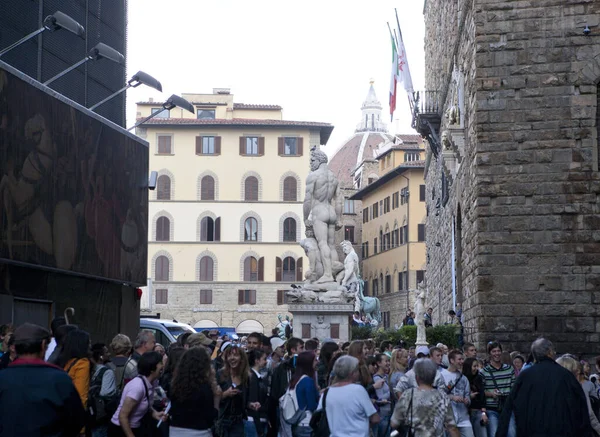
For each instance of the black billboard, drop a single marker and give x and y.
(73, 187)
(52, 52)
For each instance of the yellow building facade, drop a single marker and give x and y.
(393, 226)
(225, 218)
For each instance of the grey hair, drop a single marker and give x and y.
(344, 367)
(425, 371)
(142, 338)
(540, 348)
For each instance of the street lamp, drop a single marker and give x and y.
(53, 22)
(172, 102)
(137, 79)
(99, 51)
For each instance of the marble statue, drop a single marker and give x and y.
(323, 204)
(311, 249)
(321, 330)
(420, 314)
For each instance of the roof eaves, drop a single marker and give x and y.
(359, 195)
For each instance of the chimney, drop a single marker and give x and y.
(221, 90)
(151, 99)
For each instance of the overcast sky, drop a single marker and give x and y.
(314, 59)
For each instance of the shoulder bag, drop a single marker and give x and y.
(501, 397)
(148, 425)
(318, 421)
(406, 429)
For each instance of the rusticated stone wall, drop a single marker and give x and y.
(524, 187)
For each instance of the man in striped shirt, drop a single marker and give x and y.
(499, 379)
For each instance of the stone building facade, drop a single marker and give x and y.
(226, 216)
(510, 113)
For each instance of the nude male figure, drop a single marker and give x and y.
(322, 207)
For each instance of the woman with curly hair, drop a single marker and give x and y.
(233, 381)
(192, 408)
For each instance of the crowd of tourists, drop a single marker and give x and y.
(59, 383)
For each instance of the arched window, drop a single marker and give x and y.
(290, 186)
(163, 229)
(207, 188)
(161, 268)
(289, 229)
(250, 229)
(163, 188)
(250, 269)
(289, 269)
(381, 242)
(251, 189)
(206, 268)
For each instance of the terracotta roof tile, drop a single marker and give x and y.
(253, 106)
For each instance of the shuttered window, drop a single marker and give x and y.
(388, 284)
(422, 193)
(252, 146)
(164, 144)
(290, 146)
(282, 297)
(246, 297)
(161, 268)
(251, 229)
(162, 296)
(290, 185)
(421, 232)
(208, 145)
(207, 188)
(163, 229)
(210, 230)
(251, 189)
(205, 297)
(289, 229)
(420, 276)
(206, 268)
(163, 188)
(289, 269)
(250, 269)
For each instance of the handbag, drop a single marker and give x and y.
(318, 421)
(148, 424)
(406, 430)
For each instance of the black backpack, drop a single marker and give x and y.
(101, 408)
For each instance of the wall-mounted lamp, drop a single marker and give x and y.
(53, 22)
(139, 78)
(100, 51)
(172, 102)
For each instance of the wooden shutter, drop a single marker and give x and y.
(207, 188)
(198, 145)
(217, 145)
(421, 232)
(280, 297)
(422, 193)
(252, 297)
(299, 146)
(261, 269)
(218, 229)
(299, 271)
(306, 330)
(163, 188)
(261, 146)
(161, 268)
(280, 146)
(164, 144)
(334, 330)
(242, 146)
(163, 225)
(240, 297)
(251, 189)
(290, 189)
(278, 266)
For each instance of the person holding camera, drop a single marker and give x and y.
(498, 381)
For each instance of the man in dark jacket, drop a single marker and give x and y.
(546, 399)
(37, 398)
(281, 380)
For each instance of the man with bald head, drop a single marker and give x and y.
(322, 209)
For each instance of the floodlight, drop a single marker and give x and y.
(172, 102)
(137, 79)
(53, 22)
(99, 51)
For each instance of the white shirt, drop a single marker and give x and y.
(51, 347)
(348, 410)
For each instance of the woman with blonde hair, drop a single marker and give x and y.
(572, 365)
(398, 366)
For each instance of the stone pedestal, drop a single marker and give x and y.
(322, 320)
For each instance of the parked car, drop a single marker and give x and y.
(222, 331)
(165, 331)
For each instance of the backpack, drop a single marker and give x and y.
(288, 405)
(101, 408)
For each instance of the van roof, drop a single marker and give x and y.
(165, 322)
